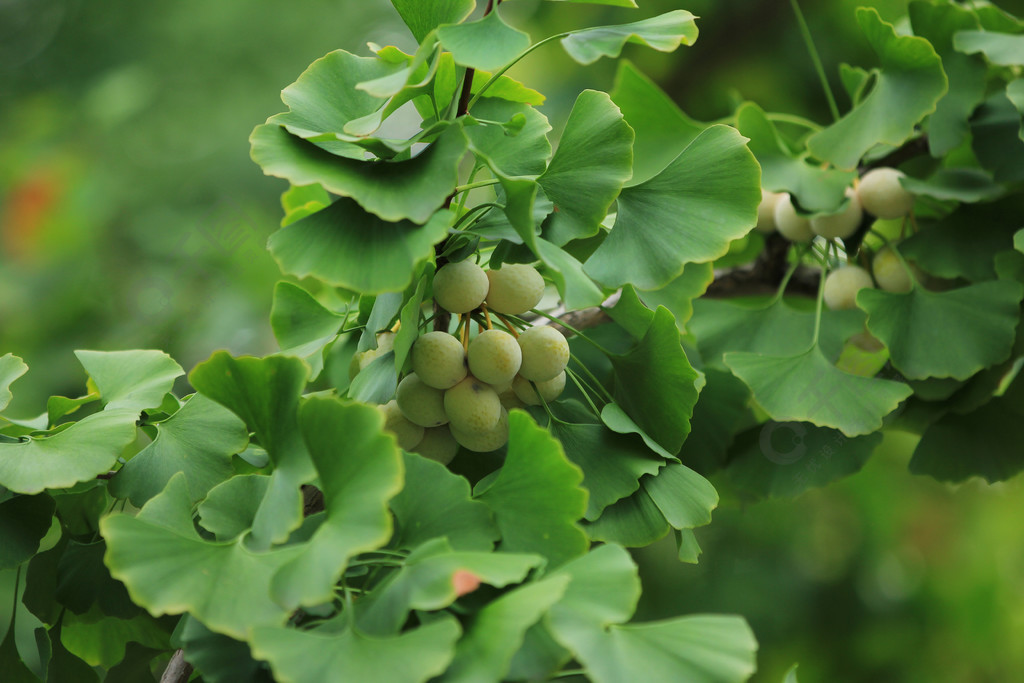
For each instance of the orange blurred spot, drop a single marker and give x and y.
(465, 581)
(24, 212)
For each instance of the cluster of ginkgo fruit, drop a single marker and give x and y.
(462, 385)
(880, 193)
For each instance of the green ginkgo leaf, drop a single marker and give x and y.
(690, 212)
(130, 379)
(393, 190)
(423, 17)
(498, 629)
(721, 413)
(815, 188)
(75, 454)
(665, 33)
(11, 368)
(526, 153)
(593, 160)
(167, 566)
(977, 326)
(679, 294)
(996, 137)
(437, 503)
(265, 393)
(360, 470)
(536, 497)
(959, 184)
(229, 509)
(808, 388)
(938, 22)
(24, 521)
(908, 86)
(330, 656)
(488, 43)
(662, 129)
(302, 325)
(1003, 49)
(683, 496)
(345, 246)
(633, 522)
(616, 3)
(198, 441)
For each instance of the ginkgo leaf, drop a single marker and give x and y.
(488, 43)
(1004, 49)
(423, 17)
(130, 379)
(11, 368)
(665, 33)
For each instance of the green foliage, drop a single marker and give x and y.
(283, 525)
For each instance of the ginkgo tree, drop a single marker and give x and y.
(401, 494)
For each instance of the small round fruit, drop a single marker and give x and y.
(494, 357)
(385, 343)
(438, 444)
(842, 285)
(509, 399)
(483, 442)
(420, 403)
(514, 288)
(890, 273)
(545, 353)
(789, 223)
(549, 390)
(460, 287)
(839, 225)
(766, 211)
(439, 360)
(407, 433)
(472, 406)
(882, 195)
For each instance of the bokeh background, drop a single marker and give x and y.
(132, 217)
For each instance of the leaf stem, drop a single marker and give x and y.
(805, 32)
(479, 183)
(788, 276)
(584, 391)
(501, 72)
(591, 377)
(818, 306)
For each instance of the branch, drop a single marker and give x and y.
(178, 670)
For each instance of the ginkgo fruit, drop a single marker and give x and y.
(407, 433)
(421, 403)
(472, 406)
(890, 273)
(514, 288)
(485, 441)
(548, 390)
(460, 287)
(494, 357)
(545, 353)
(842, 285)
(438, 444)
(789, 223)
(766, 211)
(882, 195)
(841, 224)
(439, 360)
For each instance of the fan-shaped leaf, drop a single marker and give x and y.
(977, 325)
(230, 508)
(1003, 49)
(909, 85)
(11, 368)
(130, 379)
(302, 325)
(689, 212)
(665, 33)
(24, 521)
(423, 17)
(488, 43)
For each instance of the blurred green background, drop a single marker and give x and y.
(132, 217)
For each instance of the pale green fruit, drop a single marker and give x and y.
(509, 399)
(766, 211)
(494, 357)
(439, 360)
(483, 442)
(385, 343)
(407, 433)
(890, 273)
(882, 195)
(438, 444)
(460, 287)
(420, 403)
(842, 224)
(472, 406)
(514, 288)
(842, 285)
(545, 353)
(549, 390)
(789, 223)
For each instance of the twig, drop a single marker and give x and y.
(178, 670)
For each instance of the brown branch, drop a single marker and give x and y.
(178, 670)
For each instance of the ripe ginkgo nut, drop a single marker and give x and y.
(839, 225)
(439, 360)
(438, 444)
(514, 288)
(789, 223)
(882, 195)
(472, 406)
(766, 211)
(549, 390)
(494, 357)
(486, 441)
(842, 285)
(545, 353)
(407, 433)
(890, 273)
(420, 403)
(460, 287)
